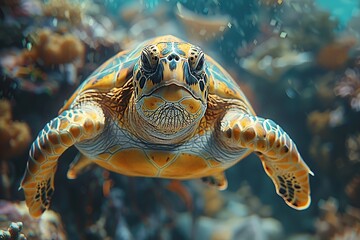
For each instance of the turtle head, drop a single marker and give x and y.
(171, 86)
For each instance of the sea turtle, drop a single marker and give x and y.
(164, 109)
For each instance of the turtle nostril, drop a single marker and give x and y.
(173, 56)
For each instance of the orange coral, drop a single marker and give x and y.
(348, 234)
(353, 148)
(318, 122)
(14, 136)
(52, 49)
(335, 54)
(64, 10)
(333, 224)
(353, 191)
(325, 89)
(253, 203)
(213, 201)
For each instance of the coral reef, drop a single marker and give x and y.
(49, 226)
(85, 21)
(232, 227)
(13, 232)
(64, 10)
(348, 234)
(349, 87)
(273, 58)
(333, 224)
(325, 89)
(325, 92)
(353, 148)
(238, 215)
(353, 191)
(20, 8)
(14, 136)
(253, 203)
(126, 216)
(340, 48)
(311, 33)
(14, 139)
(185, 210)
(51, 48)
(318, 122)
(213, 201)
(50, 60)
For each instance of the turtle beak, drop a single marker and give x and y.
(172, 84)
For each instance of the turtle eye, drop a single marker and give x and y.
(150, 58)
(196, 60)
(201, 63)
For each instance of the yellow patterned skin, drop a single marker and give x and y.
(68, 128)
(278, 153)
(166, 110)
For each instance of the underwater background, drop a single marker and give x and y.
(297, 61)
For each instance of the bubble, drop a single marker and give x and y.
(283, 34)
(29, 46)
(290, 93)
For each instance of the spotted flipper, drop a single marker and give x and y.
(278, 153)
(70, 127)
(78, 166)
(218, 180)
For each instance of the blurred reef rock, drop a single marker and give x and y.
(13, 232)
(49, 226)
(14, 140)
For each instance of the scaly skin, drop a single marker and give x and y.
(68, 128)
(278, 153)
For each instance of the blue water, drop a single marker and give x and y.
(342, 10)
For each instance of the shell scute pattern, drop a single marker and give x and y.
(224, 86)
(113, 73)
(166, 164)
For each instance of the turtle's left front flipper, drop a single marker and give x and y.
(278, 153)
(70, 127)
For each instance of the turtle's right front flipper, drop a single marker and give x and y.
(70, 127)
(278, 153)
